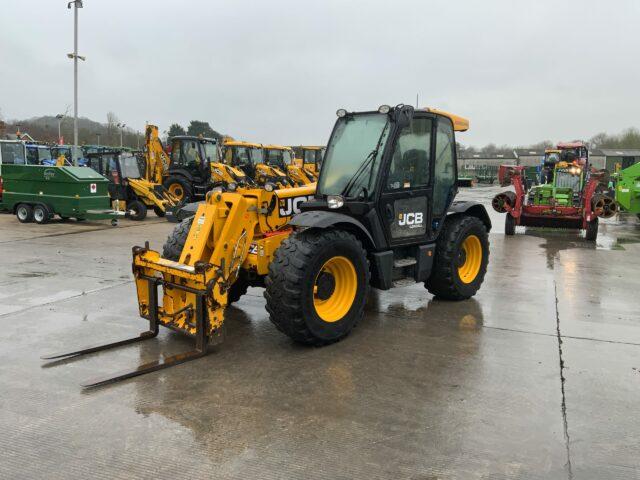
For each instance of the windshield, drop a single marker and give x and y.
(277, 157)
(257, 156)
(43, 154)
(352, 144)
(129, 167)
(211, 152)
(567, 179)
(12, 153)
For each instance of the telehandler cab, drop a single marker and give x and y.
(310, 158)
(382, 215)
(249, 157)
(282, 158)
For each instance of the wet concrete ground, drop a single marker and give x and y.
(538, 376)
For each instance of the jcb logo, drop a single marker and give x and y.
(411, 220)
(290, 206)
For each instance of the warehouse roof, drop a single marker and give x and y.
(621, 152)
(471, 156)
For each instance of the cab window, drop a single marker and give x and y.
(445, 168)
(411, 159)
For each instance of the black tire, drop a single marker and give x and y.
(509, 225)
(445, 281)
(591, 233)
(160, 212)
(293, 276)
(180, 188)
(172, 248)
(24, 213)
(81, 219)
(63, 218)
(137, 210)
(41, 214)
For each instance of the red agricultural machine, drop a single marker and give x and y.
(569, 199)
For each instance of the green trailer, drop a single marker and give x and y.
(38, 193)
(628, 188)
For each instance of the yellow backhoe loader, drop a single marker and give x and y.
(382, 215)
(282, 158)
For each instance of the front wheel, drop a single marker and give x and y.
(462, 256)
(509, 225)
(317, 286)
(160, 212)
(137, 210)
(591, 232)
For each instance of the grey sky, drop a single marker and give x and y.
(276, 71)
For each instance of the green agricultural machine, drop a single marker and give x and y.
(628, 189)
(38, 193)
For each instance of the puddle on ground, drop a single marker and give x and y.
(31, 274)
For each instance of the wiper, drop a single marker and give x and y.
(365, 163)
(356, 176)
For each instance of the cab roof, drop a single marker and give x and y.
(193, 137)
(276, 147)
(460, 124)
(240, 143)
(567, 145)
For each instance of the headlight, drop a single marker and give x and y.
(384, 109)
(335, 201)
(232, 187)
(269, 187)
(341, 112)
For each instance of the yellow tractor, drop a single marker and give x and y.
(249, 157)
(282, 158)
(193, 167)
(382, 215)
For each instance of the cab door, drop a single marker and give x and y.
(406, 192)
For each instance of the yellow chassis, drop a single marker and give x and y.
(230, 231)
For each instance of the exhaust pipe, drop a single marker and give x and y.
(501, 200)
(604, 206)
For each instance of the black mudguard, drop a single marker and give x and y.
(324, 219)
(471, 208)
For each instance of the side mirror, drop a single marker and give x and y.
(402, 115)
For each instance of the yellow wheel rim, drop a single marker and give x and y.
(176, 190)
(335, 289)
(470, 259)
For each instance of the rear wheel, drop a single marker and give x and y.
(137, 210)
(462, 255)
(24, 213)
(172, 248)
(179, 188)
(509, 225)
(317, 286)
(41, 214)
(591, 233)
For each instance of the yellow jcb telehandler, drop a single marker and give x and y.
(382, 215)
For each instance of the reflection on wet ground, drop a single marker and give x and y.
(532, 378)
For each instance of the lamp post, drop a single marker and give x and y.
(98, 135)
(76, 5)
(121, 126)
(60, 116)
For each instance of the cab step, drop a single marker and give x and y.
(404, 262)
(403, 282)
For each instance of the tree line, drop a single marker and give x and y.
(628, 138)
(45, 129)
